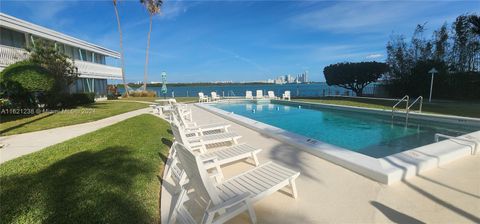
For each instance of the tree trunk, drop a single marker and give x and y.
(358, 92)
(122, 55)
(145, 74)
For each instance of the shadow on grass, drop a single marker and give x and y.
(23, 124)
(167, 142)
(87, 187)
(394, 215)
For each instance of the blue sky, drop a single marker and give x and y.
(241, 40)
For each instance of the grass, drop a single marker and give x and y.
(107, 176)
(21, 124)
(458, 108)
(152, 99)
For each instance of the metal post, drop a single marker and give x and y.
(432, 71)
(431, 88)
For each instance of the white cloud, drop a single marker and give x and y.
(245, 60)
(369, 16)
(47, 13)
(374, 56)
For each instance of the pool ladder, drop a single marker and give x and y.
(420, 101)
(406, 98)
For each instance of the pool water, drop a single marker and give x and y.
(370, 134)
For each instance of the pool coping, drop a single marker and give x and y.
(387, 170)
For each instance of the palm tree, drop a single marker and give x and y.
(153, 8)
(122, 56)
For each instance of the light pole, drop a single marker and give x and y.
(432, 71)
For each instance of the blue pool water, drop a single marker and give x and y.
(373, 135)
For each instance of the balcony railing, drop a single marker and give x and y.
(10, 55)
(92, 70)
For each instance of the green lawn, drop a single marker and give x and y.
(107, 176)
(152, 99)
(458, 108)
(17, 124)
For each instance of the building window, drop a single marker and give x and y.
(100, 59)
(83, 55)
(69, 51)
(12, 38)
(76, 53)
(88, 56)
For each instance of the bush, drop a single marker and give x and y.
(66, 100)
(22, 81)
(112, 97)
(142, 94)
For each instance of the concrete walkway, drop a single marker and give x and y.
(22, 144)
(332, 194)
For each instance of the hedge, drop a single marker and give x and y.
(28, 76)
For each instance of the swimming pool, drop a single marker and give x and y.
(373, 135)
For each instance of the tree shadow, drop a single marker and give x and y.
(431, 196)
(89, 187)
(394, 215)
(291, 156)
(23, 124)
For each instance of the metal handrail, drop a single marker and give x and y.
(421, 103)
(405, 98)
(474, 150)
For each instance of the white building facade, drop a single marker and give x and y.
(95, 64)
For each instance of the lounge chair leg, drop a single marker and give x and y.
(251, 212)
(294, 188)
(255, 159)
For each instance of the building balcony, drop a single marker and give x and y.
(10, 55)
(99, 71)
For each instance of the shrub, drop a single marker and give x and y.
(142, 94)
(67, 100)
(22, 81)
(112, 97)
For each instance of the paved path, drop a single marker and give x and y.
(26, 143)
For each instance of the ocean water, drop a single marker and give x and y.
(373, 135)
(301, 90)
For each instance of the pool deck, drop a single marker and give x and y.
(329, 193)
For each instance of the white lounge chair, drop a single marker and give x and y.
(214, 96)
(163, 106)
(271, 95)
(191, 126)
(202, 97)
(180, 213)
(211, 159)
(200, 142)
(259, 94)
(248, 95)
(286, 95)
(235, 195)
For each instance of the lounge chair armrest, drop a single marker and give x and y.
(212, 158)
(192, 129)
(191, 124)
(230, 202)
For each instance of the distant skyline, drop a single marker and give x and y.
(206, 41)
